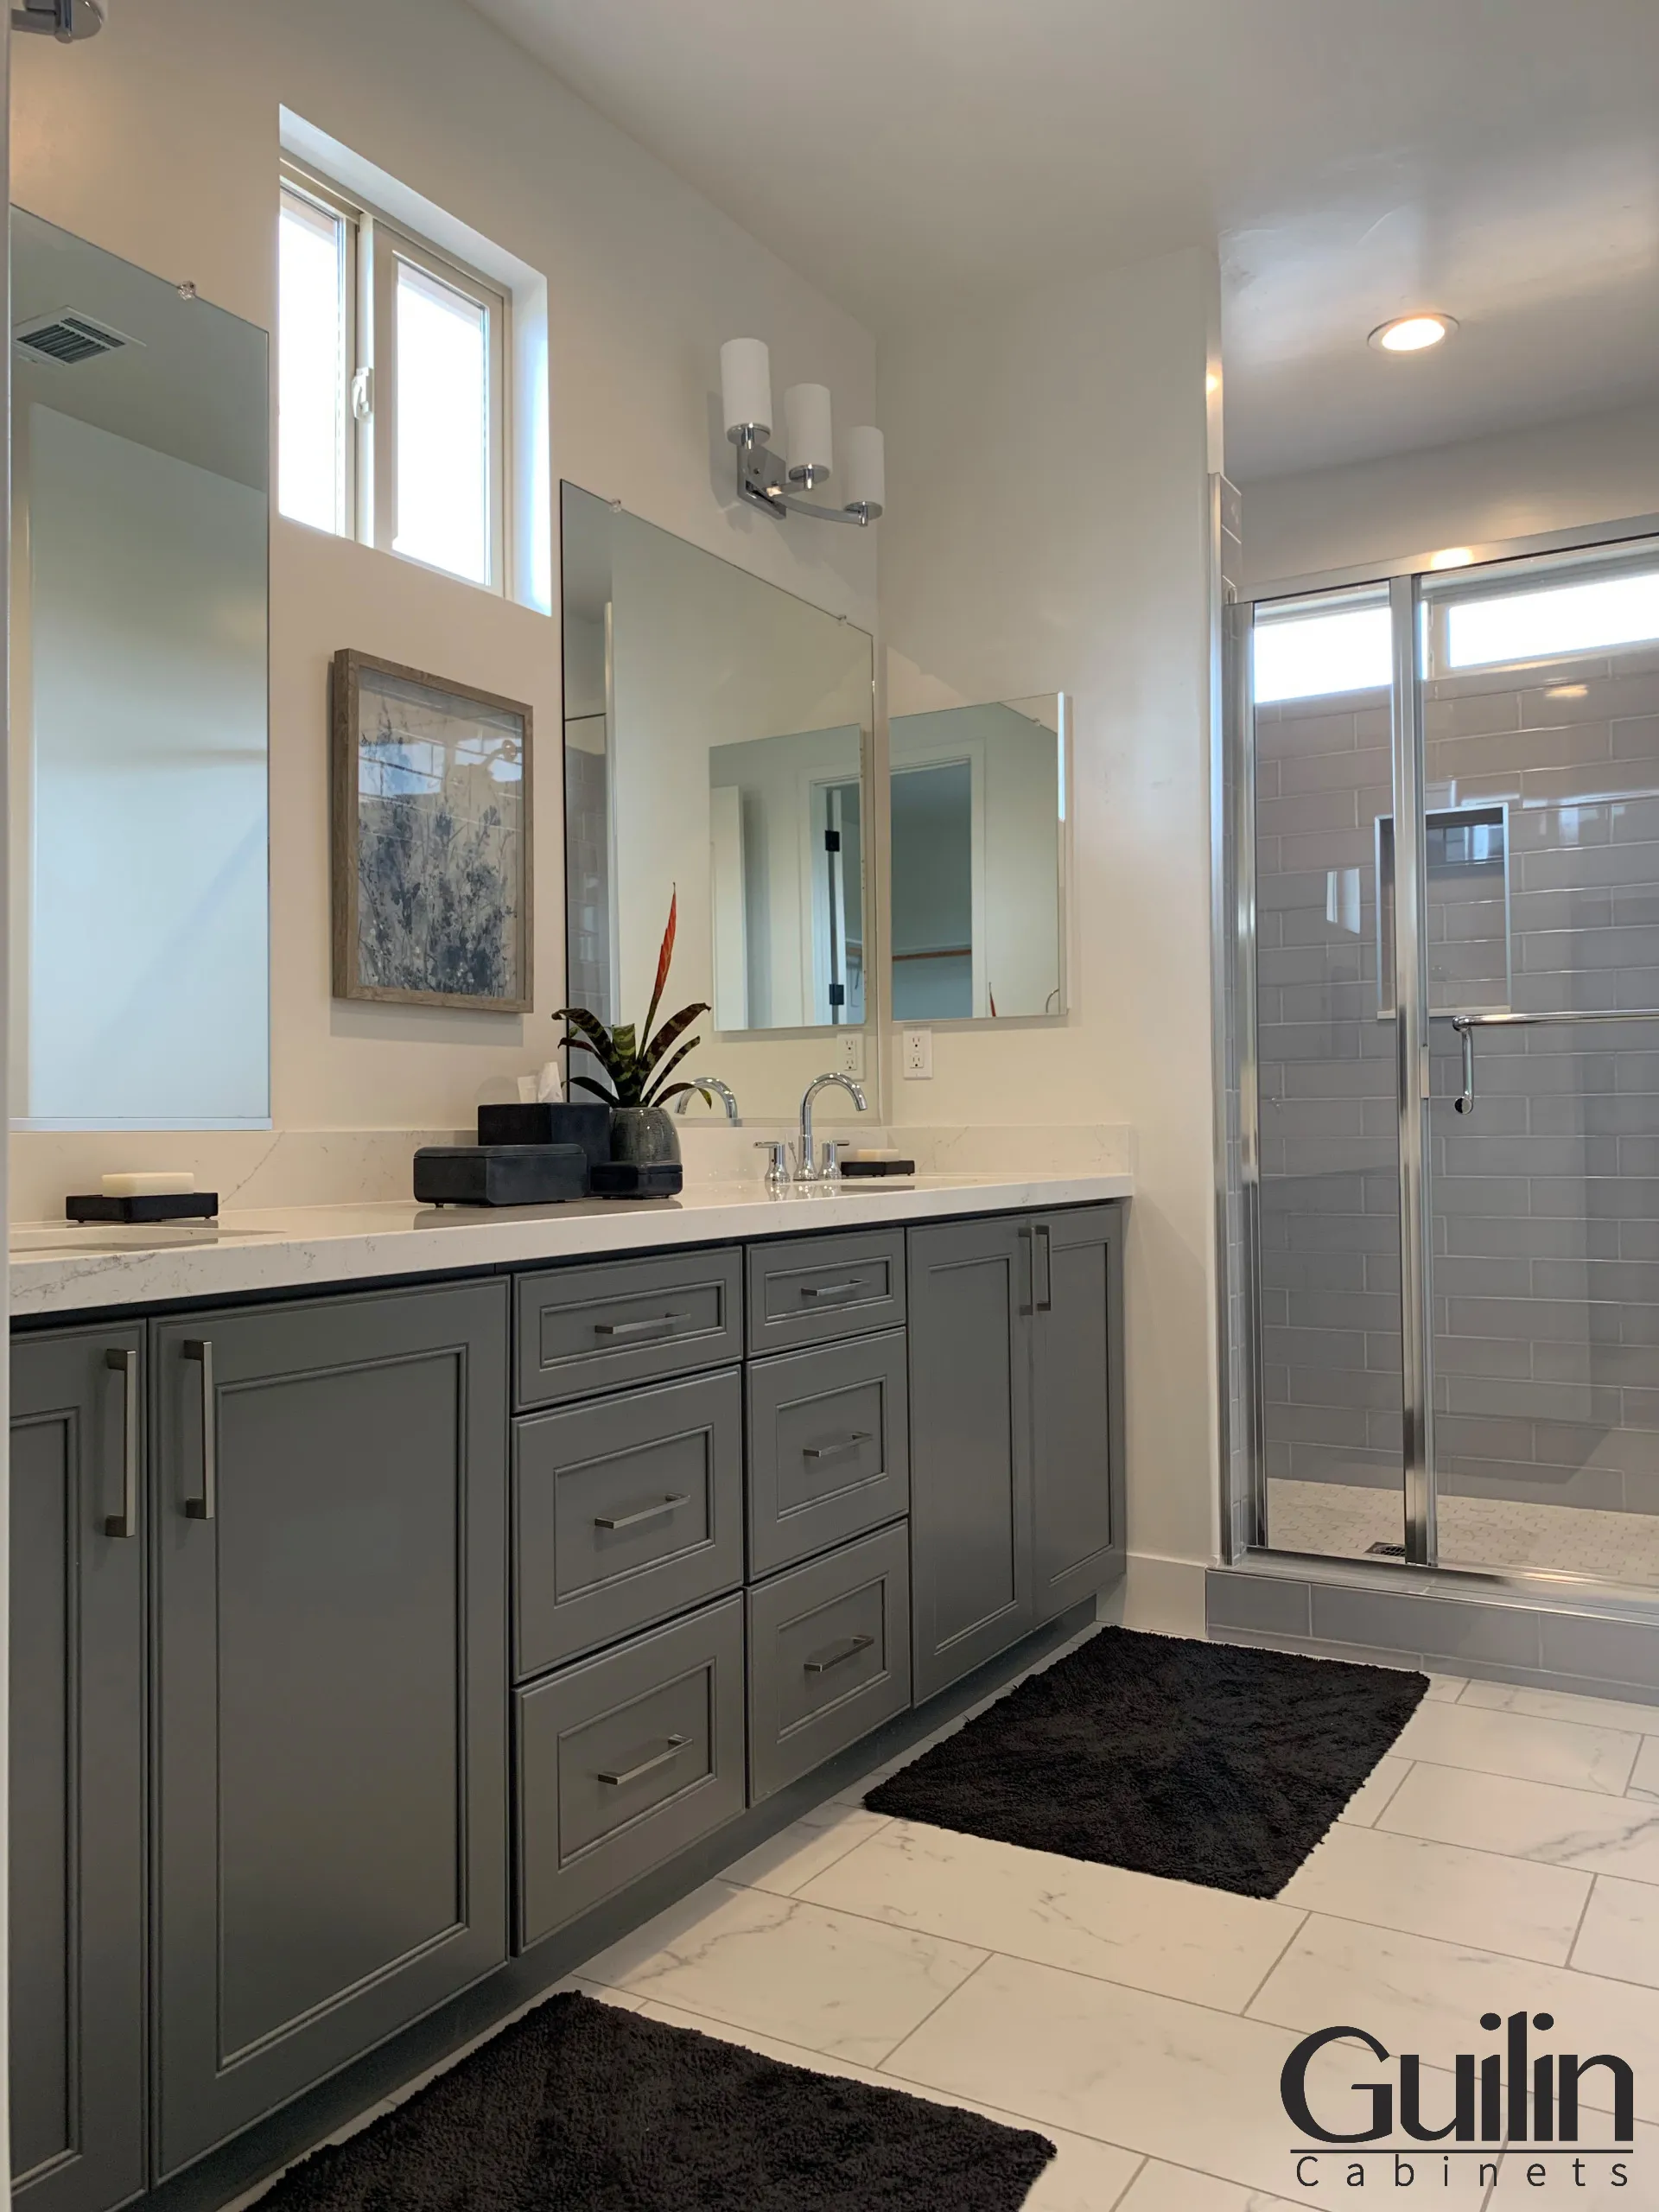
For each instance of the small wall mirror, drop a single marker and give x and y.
(139, 916)
(979, 800)
(716, 731)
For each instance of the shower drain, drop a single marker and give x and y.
(1386, 1550)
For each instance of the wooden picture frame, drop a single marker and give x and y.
(432, 840)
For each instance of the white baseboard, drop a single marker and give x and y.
(1164, 1596)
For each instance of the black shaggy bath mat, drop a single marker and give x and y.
(583, 2107)
(1204, 1762)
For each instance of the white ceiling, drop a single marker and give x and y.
(1498, 159)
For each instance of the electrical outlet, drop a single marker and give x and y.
(917, 1056)
(852, 1054)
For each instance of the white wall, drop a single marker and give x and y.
(1047, 532)
(1518, 483)
(159, 141)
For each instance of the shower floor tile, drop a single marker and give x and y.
(1343, 1520)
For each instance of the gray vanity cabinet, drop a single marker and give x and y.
(970, 1445)
(330, 1690)
(1076, 1403)
(77, 1844)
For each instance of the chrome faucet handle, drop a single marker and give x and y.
(829, 1160)
(777, 1150)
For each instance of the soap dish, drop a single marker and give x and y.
(852, 1170)
(154, 1206)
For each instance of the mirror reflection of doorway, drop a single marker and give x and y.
(933, 892)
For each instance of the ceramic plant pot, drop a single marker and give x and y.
(643, 1136)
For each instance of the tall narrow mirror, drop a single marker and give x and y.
(139, 921)
(979, 807)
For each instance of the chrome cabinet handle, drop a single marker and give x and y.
(125, 1523)
(842, 1447)
(1465, 1104)
(200, 1349)
(830, 1293)
(660, 1324)
(837, 1655)
(1042, 1300)
(676, 1745)
(613, 1521)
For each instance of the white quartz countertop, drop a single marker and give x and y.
(58, 1267)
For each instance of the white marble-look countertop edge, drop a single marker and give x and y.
(57, 1270)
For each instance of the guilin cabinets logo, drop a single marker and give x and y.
(1566, 2123)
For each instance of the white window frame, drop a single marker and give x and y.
(375, 245)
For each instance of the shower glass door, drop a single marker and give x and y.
(1453, 1177)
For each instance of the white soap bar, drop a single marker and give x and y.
(155, 1183)
(873, 1151)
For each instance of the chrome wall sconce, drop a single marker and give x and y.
(774, 482)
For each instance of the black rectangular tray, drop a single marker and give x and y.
(872, 1170)
(162, 1205)
(500, 1175)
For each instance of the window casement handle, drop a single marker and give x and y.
(363, 395)
(614, 1520)
(675, 1745)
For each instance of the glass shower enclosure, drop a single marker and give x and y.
(1448, 993)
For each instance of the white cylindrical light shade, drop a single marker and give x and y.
(745, 383)
(806, 411)
(864, 467)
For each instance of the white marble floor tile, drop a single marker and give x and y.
(1159, 2187)
(1645, 1777)
(1086, 2176)
(1620, 1937)
(1171, 1936)
(1193, 2086)
(1486, 1742)
(1595, 2188)
(1528, 1820)
(1445, 1689)
(1558, 1705)
(788, 1860)
(1365, 1806)
(826, 1980)
(1420, 1995)
(1514, 1905)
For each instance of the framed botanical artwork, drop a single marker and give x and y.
(432, 882)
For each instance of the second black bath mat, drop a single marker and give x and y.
(1210, 1763)
(582, 2107)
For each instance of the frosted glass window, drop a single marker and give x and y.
(443, 425)
(1581, 618)
(1305, 655)
(314, 365)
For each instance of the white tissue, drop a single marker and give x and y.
(548, 1088)
(527, 1090)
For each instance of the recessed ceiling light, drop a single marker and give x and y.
(1413, 334)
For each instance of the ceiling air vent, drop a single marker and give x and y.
(68, 338)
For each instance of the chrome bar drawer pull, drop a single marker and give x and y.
(830, 1293)
(614, 1520)
(125, 1523)
(837, 1655)
(1042, 1300)
(203, 1508)
(660, 1324)
(843, 1447)
(676, 1745)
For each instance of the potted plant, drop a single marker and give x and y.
(635, 1086)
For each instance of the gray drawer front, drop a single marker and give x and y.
(829, 1656)
(811, 1290)
(583, 1329)
(624, 1760)
(625, 1511)
(829, 1447)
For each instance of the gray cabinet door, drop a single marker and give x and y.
(1077, 1405)
(329, 1497)
(970, 1445)
(829, 1447)
(583, 1329)
(812, 1290)
(77, 1846)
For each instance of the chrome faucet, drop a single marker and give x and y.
(806, 1167)
(722, 1091)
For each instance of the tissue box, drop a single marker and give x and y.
(500, 1175)
(551, 1120)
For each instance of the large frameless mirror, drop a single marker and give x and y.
(717, 732)
(978, 797)
(139, 910)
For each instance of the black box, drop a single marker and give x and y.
(633, 1179)
(171, 1205)
(500, 1175)
(550, 1120)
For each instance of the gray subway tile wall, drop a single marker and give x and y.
(1546, 1222)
